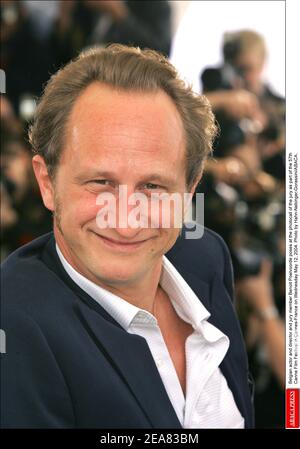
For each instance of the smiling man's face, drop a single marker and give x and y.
(116, 138)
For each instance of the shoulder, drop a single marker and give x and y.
(23, 262)
(26, 253)
(26, 281)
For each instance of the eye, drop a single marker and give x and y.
(150, 186)
(97, 185)
(103, 182)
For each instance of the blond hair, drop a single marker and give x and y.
(239, 42)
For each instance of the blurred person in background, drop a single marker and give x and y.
(244, 202)
(250, 115)
(25, 57)
(82, 23)
(30, 55)
(23, 216)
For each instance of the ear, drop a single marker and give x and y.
(44, 181)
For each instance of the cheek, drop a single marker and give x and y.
(254, 74)
(172, 237)
(167, 214)
(167, 239)
(78, 208)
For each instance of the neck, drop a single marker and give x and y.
(142, 293)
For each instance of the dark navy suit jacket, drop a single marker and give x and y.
(69, 364)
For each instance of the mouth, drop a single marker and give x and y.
(121, 246)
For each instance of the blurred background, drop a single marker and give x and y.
(234, 53)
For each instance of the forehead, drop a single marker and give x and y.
(132, 124)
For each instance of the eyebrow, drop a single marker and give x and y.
(153, 177)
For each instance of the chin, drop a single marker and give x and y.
(116, 275)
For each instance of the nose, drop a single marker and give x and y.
(127, 234)
(125, 213)
(127, 227)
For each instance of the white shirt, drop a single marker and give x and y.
(209, 402)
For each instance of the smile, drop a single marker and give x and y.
(120, 246)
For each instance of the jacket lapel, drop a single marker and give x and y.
(130, 356)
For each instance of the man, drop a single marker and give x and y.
(102, 329)
(237, 91)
